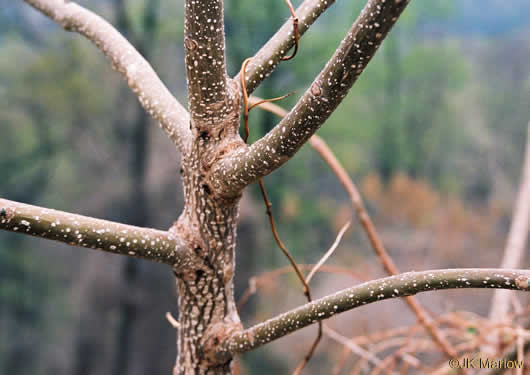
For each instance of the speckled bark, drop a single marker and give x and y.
(205, 59)
(207, 312)
(316, 105)
(406, 284)
(83, 231)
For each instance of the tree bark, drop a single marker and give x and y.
(207, 311)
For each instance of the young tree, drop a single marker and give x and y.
(217, 165)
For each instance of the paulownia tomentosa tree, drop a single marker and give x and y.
(217, 165)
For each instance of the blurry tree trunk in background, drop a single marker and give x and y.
(516, 244)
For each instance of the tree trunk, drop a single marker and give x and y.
(207, 310)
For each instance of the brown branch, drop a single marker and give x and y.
(268, 206)
(325, 152)
(517, 238)
(328, 253)
(398, 286)
(355, 197)
(350, 345)
(295, 31)
(245, 166)
(83, 231)
(246, 108)
(140, 76)
(264, 101)
(258, 281)
(246, 102)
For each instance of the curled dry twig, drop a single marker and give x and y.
(295, 31)
(268, 205)
(325, 152)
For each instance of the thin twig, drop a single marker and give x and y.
(268, 205)
(328, 253)
(265, 61)
(295, 31)
(246, 106)
(264, 101)
(351, 345)
(258, 281)
(245, 97)
(240, 169)
(355, 197)
(174, 323)
(307, 291)
(325, 152)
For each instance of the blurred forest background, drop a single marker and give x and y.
(438, 167)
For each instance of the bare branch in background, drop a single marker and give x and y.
(83, 231)
(268, 277)
(328, 253)
(377, 245)
(268, 208)
(325, 152)
(517, 238)
(398, 286)
(351, 345)
(140, 76)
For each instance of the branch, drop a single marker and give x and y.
(402, 285)
(423, 316)
(325, 152)
(517, 238)
(266, 278)
(328, 253)
(245, 166)
(83, 231)
(205, 59)
(140, 76)
(351, 346)
(269, 56)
